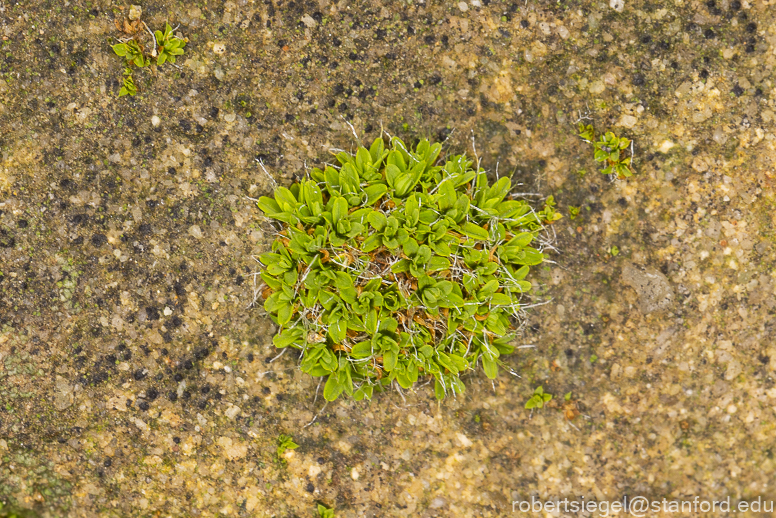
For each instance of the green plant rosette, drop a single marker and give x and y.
(397, 266)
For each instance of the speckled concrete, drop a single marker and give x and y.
(135, 377)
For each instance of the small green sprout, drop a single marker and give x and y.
(614, 251)
(397, 266)
(132, 52)
(169, 45)
(128, 87)
(549, 215)
(567, 396)
(573, 212)
(608, 150)
(325, 512)
(285, 442)
(586, 132)
(538, 399)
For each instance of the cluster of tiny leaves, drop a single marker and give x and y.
(539, 398)
(397, 266)
(285, 443)
(609, 149)
(168, 46)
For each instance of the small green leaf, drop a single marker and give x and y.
(439, 390)
(389, 360)
(120, 49)
(490, 367)
(474, 231)
(332, 389)
(364, 391)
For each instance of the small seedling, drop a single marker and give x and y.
(614, 251)
(325, 512)
(586, 132)
(128, 87)
(132, 51)
(397, 266)
(538, 399)
(573, 212)
(549, 215)
(169, 45)
(285, 442)
(135, 54)
(609, 149)
(567, 396)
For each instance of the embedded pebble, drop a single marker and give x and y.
(654, 290)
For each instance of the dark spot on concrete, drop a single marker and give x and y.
(98, 240)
